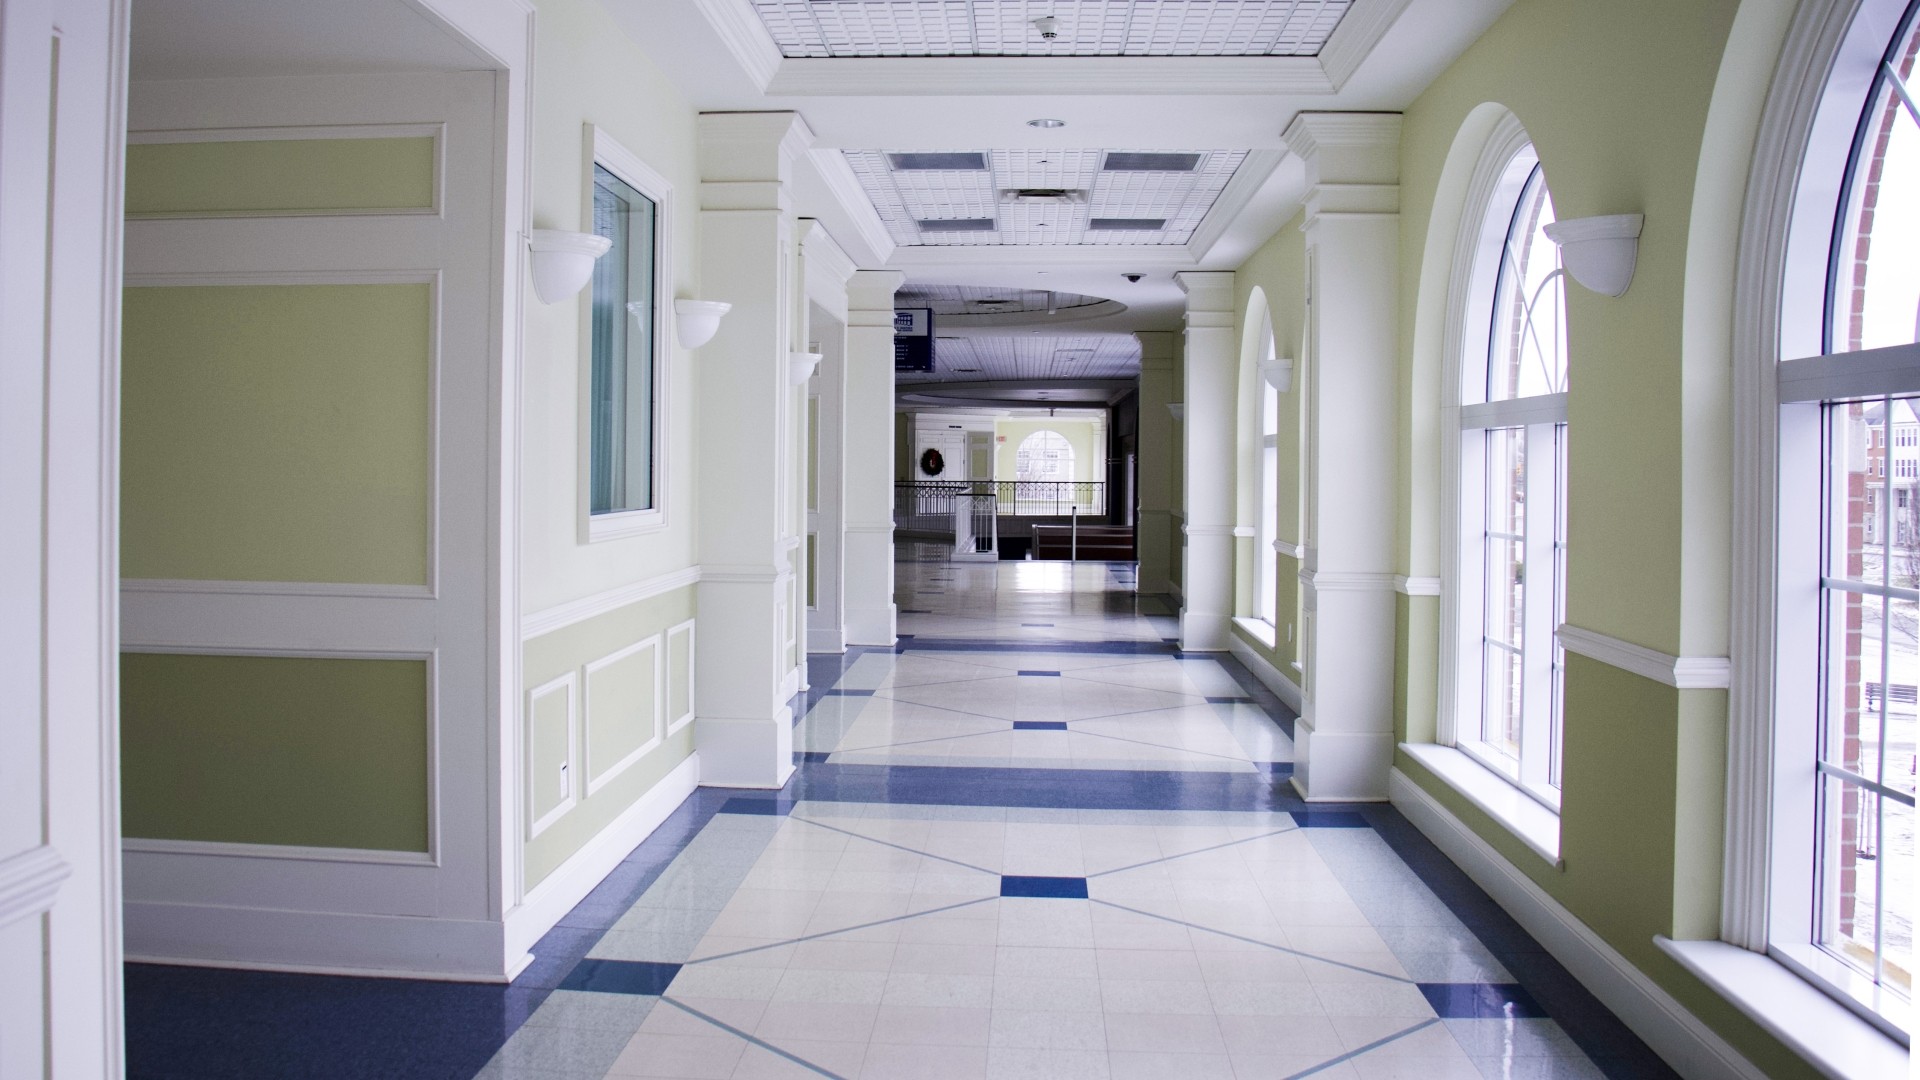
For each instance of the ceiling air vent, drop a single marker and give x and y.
(1042, 195)
(1136, 161)
(1127, 224)
(943, 161)
(983, 224)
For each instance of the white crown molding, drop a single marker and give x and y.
(1243, 531)
(823, 253)
(1241, 189)
(1291, 550)
(1141, 257)
(191, 587)
(28, 882)
(834, 172)
(1311, 131)
(1674, 1033)
(1354, 39)
(745, 36)
(1680, 672)
(948, 76)
(1416, 586)
(550, 619)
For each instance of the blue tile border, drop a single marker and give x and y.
(621, 977)
(1329, 819)
(1089, 648)
(1039, 725)
(746, 804)
(1482, 1001)
(1047, 888)
(1230, 701)
(1038, 672)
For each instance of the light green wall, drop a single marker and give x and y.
(617, 708)
(274, 750)
(297, 175)
(1089, 451)
(1617, 100)
(276, 432)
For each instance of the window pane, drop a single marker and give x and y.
(1505, 576)
(1559, 596)
(1527, 343)
(1500, 726)
(1876, 278)
(620, 402)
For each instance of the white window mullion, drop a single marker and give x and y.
(1538, 626)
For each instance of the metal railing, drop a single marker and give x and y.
(926, 506)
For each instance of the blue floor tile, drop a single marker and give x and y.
(621, 977)
(1329, 819)
(1050, 888)
(1229, 701)
(1481, 1001)
(766, 807)
(1039, 725)
(1036, 672)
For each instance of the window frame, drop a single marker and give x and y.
(1783, 377)
(1493, 194)
(602, 150)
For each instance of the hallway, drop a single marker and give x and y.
(1033, 840)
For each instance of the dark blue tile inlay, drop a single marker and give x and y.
(1037, 624)
(1049, 888)
(1229, 701)
(621, 977)
(1329, 819)
(1125, 647)
(847, 693)
(812, 756)
(1053, 673)
(915, 611)
(1039, 725)
(1482, 1001)
(765, 807)
(1277, 768)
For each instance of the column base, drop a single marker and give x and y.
(745, 753)
(873, 626)
(1339, 766)
(1202, 631)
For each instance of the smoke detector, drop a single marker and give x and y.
(1048, 26)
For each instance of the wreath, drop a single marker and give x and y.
(932, 463)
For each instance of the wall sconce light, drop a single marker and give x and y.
(800, 367)
(1178, 409)
(696, 321)
(1278, 374)
(1599, 252)
(563, 261)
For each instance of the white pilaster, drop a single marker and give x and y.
(1344, 740)
(826, 269)
(747, 663)
(1207, 575)
(1154, 539)
(868, 484)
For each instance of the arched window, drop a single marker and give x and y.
(1266, 522)
(1509, 576)
(1823, 742)
(1044, 456)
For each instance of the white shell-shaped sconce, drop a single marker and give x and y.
(1178, 409)
(563, 261)
(696, 321)
(1599, 252)
(1278, 374)
(800, 367)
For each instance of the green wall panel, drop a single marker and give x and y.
(274, 750)
(622, 708)
(280, 176)
(277, 433)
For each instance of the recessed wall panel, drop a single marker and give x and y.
(280, 176)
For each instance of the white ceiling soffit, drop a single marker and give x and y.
(1029, 357)
(840, 28)
(239, 39)
(969, 207)
(1105, 46)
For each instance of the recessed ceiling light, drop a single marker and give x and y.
(1047, 122)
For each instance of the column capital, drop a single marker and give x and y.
(1347, 147)
(872, 290)
(1207, 290)
(1156, 349)
(750, 146)
(823, 254)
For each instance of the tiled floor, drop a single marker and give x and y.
(1034, 840)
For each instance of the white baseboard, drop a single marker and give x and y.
(1270, 677)
(1692, 1048)
(317, 942)
(548, 902)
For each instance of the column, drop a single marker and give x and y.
(1155, 538)
(1206, 577)
(746, 664)
(867, 491)
(1343, 743)
(826, 270)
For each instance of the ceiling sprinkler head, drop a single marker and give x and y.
(1048, 26)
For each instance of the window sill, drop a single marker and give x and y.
(1257, 629)
(623, 524)
(1519, 813)
(1822, 1030)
